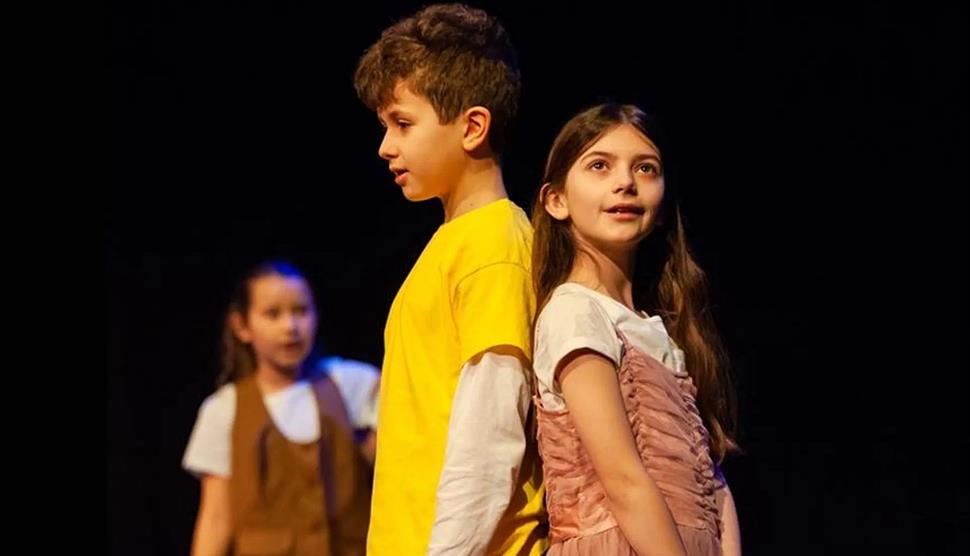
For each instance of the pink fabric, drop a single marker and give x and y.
(673, 445)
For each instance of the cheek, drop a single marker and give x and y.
(421, 146)
(583, 204)
(266, 333)
(261, 342)
(655, 194)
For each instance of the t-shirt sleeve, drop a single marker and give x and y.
(358, 384)
(493, 306)
(208, 451)
(570, 322)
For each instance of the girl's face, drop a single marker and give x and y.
(281, 323)
(613, 191)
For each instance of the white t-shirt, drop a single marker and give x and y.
(577, 317)
(292, 409)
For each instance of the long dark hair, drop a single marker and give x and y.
(667, 281)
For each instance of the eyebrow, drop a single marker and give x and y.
(393, 114)
(611, 156)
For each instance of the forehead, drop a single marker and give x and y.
(404, 99)
(274, 288)
(624, 139)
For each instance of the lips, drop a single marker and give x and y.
(626, 208)
(400, 175)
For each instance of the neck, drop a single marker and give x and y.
(480, 185)
(608, 272)
(272, 379)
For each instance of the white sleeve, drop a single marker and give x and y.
(570, 321)
(486, 444)
(367, 418)
(358, 384)
(209, 448)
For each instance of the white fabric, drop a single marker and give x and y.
(486, 444)
(577, 317)
(358, 383)
(292, 409)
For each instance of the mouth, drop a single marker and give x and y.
(626, 209)
(400, 175)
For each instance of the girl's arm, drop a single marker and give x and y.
(592, 394)
(368, 447)
(730, 530)
(212, 526)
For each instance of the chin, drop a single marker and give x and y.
(416, 196)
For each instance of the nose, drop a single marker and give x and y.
(387, 150)
(625, 183)
(291, 322)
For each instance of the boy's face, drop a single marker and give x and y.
(425, 156)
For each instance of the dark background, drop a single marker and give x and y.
(823, 169)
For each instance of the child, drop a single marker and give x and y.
(274, 448)
(456, 472)
(623, 408)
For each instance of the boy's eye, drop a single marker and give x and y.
(403, 125)
(272, 313)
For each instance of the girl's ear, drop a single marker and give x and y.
(239, 328)
(554, 202)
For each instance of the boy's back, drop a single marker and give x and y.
(456, 468)
(470, 290)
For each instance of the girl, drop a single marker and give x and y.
(274, 446)
(628, 416)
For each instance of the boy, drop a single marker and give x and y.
(456, 471)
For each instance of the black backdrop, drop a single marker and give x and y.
(823, 164)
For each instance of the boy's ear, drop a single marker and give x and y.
(478, 122)
(554, 202)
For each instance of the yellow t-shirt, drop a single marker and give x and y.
(469, 291)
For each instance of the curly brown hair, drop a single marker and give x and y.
(453, 55)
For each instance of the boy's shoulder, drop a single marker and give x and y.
(496, 233)
(498, 220)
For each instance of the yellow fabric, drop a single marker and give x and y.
(469, 291)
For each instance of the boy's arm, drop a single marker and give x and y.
(486, 443)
